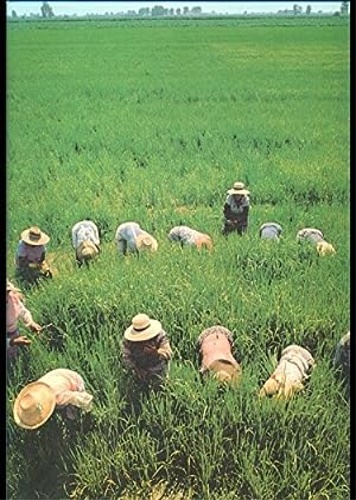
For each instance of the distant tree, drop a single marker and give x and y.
(185, 10)
(171, 12)
(13, 14)
(158, 10)
(308, 9)
(46, 10)
(344, 9)
(297, 9)
(178, 11)
(145, 11)
(196, 10)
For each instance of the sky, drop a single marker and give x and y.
(82, 8)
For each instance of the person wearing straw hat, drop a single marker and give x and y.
(31, 254)
(270, 231)
(85, 241)
(131, 238)
(146, 350)
(215, 346)
(316, 237)
(16, 311)
(236, 209)
(59, 389)
(293, 369)
(342, 358)
(187, 236)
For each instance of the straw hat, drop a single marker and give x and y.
(34, 405)
(225, 372)
(87, 250)
(142, 328)
(324, 248)
(146, 242)
(34, 236)
(239, 188)
(10, 287)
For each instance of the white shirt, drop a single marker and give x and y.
(83, 231)
(310, 234)
(270, 231)
(184, 235)
(127, 232)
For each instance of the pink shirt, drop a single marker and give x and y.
(215, 345)
(16, 310)
(68, 387)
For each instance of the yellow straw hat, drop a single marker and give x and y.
(34, 236)
(146, 242)
(325, 248)
(225, 371)
(142, 328)
(10, 287)
(87, 250)
(239, 188)
(34, 405)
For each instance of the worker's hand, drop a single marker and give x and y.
(34, 265)
(35, 327)
(21, 340)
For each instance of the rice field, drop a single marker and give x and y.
(153, 121)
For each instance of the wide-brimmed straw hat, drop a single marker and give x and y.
(142, 328)
(325, 248)
(34, 405)
(10, 287)
(239, 188)
(34, 236)
(224, 371)
(87, 250)
(146, 242)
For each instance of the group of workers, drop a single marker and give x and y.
(146, 349)
(31, 261)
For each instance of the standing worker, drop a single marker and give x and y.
(236, 209)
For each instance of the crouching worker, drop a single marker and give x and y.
(131, 238)
(187, 236)
(342, 358)
(316, 237)
(215, 346)
(31, 254)
(236, 209)
(146, 351)
(59, 389)
(292, 370)
(270, 231)
(85, 241)
(16, 311)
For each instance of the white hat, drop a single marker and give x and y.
(146, 242)
(239, 188)
(34, 236)
(142, 328)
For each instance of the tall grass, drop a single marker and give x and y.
(153, 122)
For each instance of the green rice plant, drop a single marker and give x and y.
(157, 133)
